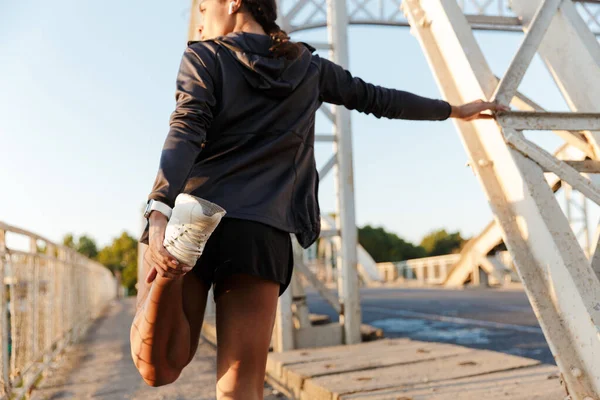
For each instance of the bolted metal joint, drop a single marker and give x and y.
(424, 22)
(485, 163)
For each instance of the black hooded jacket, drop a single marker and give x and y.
(243, 131)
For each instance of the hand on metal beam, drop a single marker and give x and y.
(474, 110)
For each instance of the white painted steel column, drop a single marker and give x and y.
(337, 22)
(561, 286)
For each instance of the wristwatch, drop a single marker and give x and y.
(158, 206)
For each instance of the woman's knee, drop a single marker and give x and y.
(152, 371)
(156, 376)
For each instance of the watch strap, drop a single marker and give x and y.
(161, 207)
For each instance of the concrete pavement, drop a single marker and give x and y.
(100, 367)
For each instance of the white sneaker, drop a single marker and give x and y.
(192, 222)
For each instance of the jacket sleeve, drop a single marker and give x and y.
(188, 124)
(338, 86)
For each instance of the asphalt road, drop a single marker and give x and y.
(493, 319)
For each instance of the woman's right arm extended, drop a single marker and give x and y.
(338, 86)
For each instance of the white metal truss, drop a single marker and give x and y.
(336, 15)
(562, 287)
(482, 14)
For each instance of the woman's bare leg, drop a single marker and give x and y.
(166, 328)
(246, 308)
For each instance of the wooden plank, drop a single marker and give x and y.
(475, 362)
(318, 336)
(365, 359)
(368, 358)
(532, 383)
(276, 361)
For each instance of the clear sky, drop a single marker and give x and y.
(86, 91)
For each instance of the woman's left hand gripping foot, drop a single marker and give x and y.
(161, 262)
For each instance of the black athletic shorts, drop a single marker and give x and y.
(239, 246)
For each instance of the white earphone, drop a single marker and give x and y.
(231, 5)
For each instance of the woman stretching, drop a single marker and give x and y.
(241, 139)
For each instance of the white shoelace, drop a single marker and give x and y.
(188, 244)
(193, 221)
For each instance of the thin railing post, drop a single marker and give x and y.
(34, 306)
(4, 316)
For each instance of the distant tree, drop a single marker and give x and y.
(121, 256)
(69, 241)
(84, 245)
(87, 247)
(384, 246)
(440, 242)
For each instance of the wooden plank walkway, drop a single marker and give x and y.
(402, 369)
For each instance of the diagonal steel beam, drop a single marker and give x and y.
(516, 71)
(318, 285)
(361, 5)
(584, 166)
(328, 113)
(550, 163)
(298, 6)
(325, 138)
(319, 9)
(328, 166)
(572, 55)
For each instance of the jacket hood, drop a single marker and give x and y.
(277, 77)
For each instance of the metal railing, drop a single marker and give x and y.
(50, 296)
(426, 271)
(498, 267)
